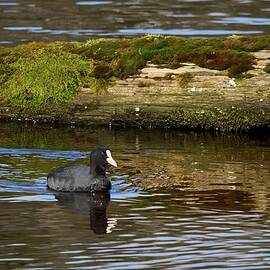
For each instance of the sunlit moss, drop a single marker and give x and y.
(101, 70)
(99, 86)
(46, 79)
(126, 56)
(38, 73)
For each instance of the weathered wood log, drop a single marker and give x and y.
(187, 97)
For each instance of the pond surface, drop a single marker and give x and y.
(29, 20)
(208, 224)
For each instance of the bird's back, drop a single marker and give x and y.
(76, 178)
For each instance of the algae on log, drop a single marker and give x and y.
(151, 81)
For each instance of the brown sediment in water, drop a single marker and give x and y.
(152, 81)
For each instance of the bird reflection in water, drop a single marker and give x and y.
(95, 204)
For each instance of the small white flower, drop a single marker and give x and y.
(232, 83)
(85, 107)
(261, 99)
(137, 109)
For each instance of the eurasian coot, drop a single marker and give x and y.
(82, 178)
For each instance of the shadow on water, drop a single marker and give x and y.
(95, 204)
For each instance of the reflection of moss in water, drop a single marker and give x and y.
(219, 119)
(49, 74)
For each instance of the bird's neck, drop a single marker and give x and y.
(97, 170)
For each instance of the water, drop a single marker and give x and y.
(29, 20)
(218, 219)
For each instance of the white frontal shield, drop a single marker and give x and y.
(109, 158)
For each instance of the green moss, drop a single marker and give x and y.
(101, 70)
(129, 66)
(125, 57)
(99, 86)
(27, 70)
(223, 119)
(216, 119)
(236, 62)
(12, 55)
(46, 79)
(5, 72)
(246, 43)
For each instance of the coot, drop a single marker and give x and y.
(81, 178)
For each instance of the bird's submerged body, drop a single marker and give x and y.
(81, 178)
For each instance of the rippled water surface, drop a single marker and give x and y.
(218, 219)
(28, 20)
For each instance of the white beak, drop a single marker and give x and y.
(109, 158)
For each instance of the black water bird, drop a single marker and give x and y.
(82, 178)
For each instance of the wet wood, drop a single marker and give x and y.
(159, 90)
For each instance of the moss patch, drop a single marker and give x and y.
(47, 78)
(38, 74)
(213, 119)
(98, 85)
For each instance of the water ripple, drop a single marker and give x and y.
(204, 226)
(28, 20)
(72, 155)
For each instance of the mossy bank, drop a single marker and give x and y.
(158, 81)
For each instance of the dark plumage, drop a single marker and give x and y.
(81, 178)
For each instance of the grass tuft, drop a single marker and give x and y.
(48, 78)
